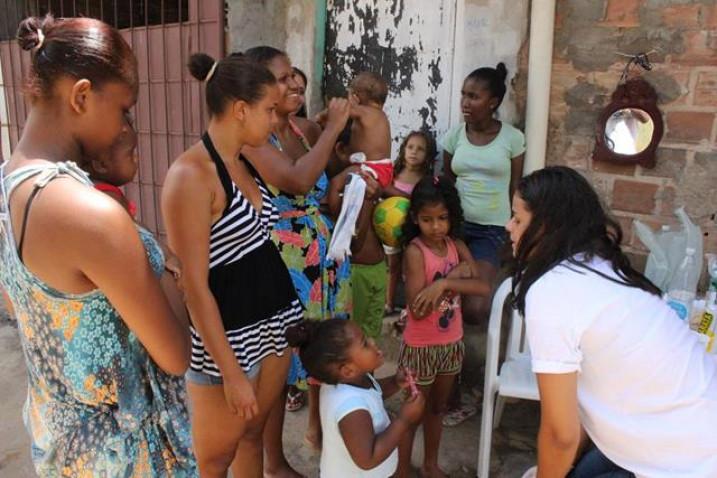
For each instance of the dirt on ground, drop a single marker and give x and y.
(513, 442)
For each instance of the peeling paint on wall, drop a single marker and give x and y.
(410, 44)
(424, 49)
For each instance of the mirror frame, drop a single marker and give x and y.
(634, 93)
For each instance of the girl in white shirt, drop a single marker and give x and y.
(359, 439)
(615, 366)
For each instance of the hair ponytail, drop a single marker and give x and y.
(230, 79)
(494, 80)
(323, 346)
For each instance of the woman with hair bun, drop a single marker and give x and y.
(485, 158)
(104, 351)
(219, 215)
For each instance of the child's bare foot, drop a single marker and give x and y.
(313, 439)
(283, 471)
(432, 472)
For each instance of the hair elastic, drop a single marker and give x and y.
(40, 40)
(211, 72)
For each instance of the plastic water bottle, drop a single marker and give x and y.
(680, 295)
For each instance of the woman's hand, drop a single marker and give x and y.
(429, 298)
(337, 114)
(373, 188)
(173, 265)
(240, 397)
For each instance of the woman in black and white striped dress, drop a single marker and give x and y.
(218, 214)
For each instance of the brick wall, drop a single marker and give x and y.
(585, 72)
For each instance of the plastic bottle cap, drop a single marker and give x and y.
(665, 228)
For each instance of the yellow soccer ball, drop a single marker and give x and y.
(388, 218)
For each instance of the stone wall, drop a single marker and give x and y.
(288, 26)
(586, 70)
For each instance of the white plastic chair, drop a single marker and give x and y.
(515, 379)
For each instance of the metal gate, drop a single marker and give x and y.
(170, 108)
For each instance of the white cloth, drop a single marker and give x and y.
(647, 391)
(337, 401)
(340, 245)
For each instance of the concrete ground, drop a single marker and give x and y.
(513, 443)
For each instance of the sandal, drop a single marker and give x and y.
(294, 401)
(459, 415)
(400, 324)
(389, 310)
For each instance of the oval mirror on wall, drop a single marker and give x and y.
(630, 127)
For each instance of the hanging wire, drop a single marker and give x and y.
(640, 59)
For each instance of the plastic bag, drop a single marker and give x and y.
(340, 246)
(712, 269)
(667, 250)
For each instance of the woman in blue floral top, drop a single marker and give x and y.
(104, 351)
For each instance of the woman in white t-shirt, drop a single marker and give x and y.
(614, 363)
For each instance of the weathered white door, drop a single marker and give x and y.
(409, 43)
(425, 48)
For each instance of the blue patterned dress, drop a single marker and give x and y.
(302, 235)
(97, 404)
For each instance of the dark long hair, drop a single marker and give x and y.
(430, 153)
(429, 191)
(567, 220)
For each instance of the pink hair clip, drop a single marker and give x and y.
(436, 179)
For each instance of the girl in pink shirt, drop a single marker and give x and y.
(416, 157)
(438, 268)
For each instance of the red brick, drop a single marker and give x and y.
(666, 199)
(700, 48)
(710, 238)
(634, 196)
(684, 16)
(689, 126)
(614, 168)
(706, 89)
(622, 13)
(626, 226)
(709, 16)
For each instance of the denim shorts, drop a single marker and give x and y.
(484, 241)
(201, 378)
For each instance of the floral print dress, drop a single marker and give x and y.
(97, 404)
(302, 235)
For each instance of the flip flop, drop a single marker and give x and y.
(294, 401)
(459, 415)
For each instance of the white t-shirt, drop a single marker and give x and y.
(337, 401)
(647, 391)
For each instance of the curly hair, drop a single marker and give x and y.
(323, 346)
(431, 190)
(400, 164)
(568, 223)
